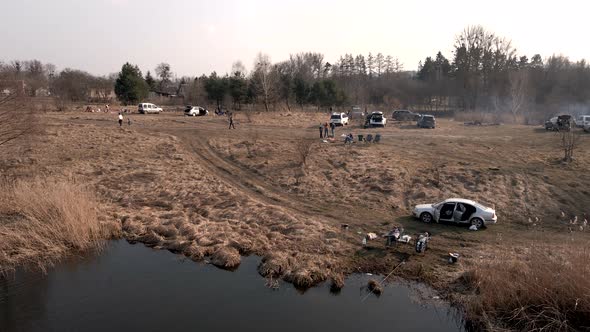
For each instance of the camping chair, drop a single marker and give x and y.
(377, 138)
(361, 138)
(369, 138)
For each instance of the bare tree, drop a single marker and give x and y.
(238, 67)
(164, 73)
(569, 140)
(252, 142)
(518, 90)
(17, 118)
(303, 149)
(264, 80)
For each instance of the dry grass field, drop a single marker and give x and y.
(190, 185)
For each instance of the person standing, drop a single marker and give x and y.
(325, 130)
(321, 130)
(231, 121)
(120, 119)
(332, 127)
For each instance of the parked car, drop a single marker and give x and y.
(356, 113)
(339, 119)
(426, 121)
(195, 111)
(582, 121)
(557, 123)
(145, 108)
(456, 210)
(405, 115)
(375, 119)
(551, 124)
(587, 128)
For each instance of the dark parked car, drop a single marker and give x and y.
(405, 115)
(559, 123)
(427, 121)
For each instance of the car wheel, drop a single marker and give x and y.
(477, 222)
(426, 217)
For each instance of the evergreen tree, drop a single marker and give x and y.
(150, 80)
(130, 86)
(370, 65)
(216, 88)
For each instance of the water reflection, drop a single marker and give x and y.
(131, 287)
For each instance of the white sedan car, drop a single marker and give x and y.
(457, 210)
(195, 111)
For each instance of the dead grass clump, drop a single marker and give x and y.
(375, 287)
(547, 290)
(166, 231)
(133, 227)
(42, 220)
(226, 257)
(193, 252)
(275, 265)
(189, 231)
(244, 246)
(176, 246)
(306, 277)
(150, 239)
(337, 282)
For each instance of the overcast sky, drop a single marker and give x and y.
(197, 37)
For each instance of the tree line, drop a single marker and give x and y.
(483, 73)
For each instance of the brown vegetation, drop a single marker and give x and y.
(226, 257)
(191, 187)
(17, 118)
(546, 288)
(374, 287)
(41, 221)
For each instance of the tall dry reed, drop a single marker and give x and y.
(547, 289)
(43, 220)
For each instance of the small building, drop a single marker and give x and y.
(101, 95)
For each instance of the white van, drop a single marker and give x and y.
(145, 108)
(583, 121)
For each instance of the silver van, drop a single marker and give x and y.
(145, 108)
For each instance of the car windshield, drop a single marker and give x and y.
(335, 117)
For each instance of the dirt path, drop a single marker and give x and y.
(239, 177)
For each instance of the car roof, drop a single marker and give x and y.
(461, 200)
(377, 112)
(428, 116)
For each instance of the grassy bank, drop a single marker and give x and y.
(41, 221)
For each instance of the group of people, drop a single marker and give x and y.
(325, 129)
(121, 120)
(397, 235)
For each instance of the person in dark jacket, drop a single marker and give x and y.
(231, 121)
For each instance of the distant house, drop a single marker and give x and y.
(42, 92)
(101, 95)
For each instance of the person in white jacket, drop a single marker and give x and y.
(120, 120)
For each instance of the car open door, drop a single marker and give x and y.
(446, 211)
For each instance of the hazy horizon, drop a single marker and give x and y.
(197, 37)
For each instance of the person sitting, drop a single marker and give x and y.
(393, 236)
(349, 139)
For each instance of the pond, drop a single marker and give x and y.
(132, 287)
